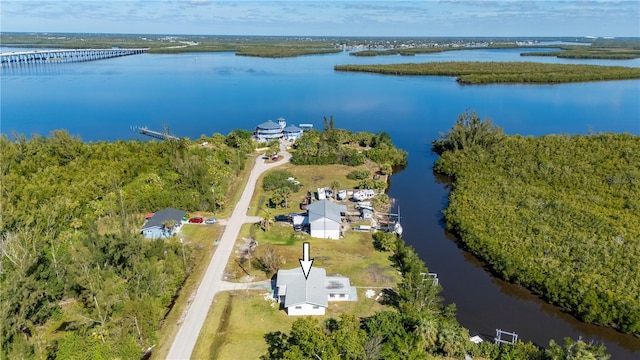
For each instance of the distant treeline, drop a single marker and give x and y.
(503, 72)
(411, 51)
(272, 47)
(557, 214)
(583, 52)
(613, 49)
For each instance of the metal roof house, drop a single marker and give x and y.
(325, 219)
(292, 132)
(269, 130)
(154, 227)
(311, 296)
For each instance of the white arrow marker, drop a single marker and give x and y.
(305, 262)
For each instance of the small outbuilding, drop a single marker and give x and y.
(163, 223)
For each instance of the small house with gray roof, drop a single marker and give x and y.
(292, 132)
(311, 296)
(163, 223)
(325, 219)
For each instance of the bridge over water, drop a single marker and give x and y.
(57, 56)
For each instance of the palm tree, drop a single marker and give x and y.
(168, 225)
(265, 220)
(285, 192)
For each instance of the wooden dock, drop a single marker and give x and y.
(155, 134)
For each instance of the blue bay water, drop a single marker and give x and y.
(205, 93)
(196, 94)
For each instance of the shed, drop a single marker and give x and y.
(366, 213)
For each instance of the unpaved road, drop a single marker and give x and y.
(212, 283)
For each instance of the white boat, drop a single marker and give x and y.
(397, 228)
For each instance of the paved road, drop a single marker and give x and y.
(212, 283)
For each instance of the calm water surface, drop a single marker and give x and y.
(198, 94)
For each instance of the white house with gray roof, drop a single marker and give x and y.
(311, 296)
(292, 132)
(155, 227)
(325, 219)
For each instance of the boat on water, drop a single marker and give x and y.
(397, 228)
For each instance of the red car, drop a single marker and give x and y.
(196, 220)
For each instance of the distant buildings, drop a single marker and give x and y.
(271, 130)
(292, 132)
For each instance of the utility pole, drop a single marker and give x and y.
(213, 194)
(184, 260)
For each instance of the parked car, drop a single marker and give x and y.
(211, 221)
(196, 220)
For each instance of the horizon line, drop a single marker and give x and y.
(589, 37)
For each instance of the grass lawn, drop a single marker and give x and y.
(311, 177)
(352, 256)
(237, 321)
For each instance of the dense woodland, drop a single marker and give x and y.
(475, 73)
(339, 146)
(557, 214)
(77, 278)
(416, 326)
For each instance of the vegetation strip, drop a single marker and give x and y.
(503, 72)
(557, 214)
(411, 51)
(613, 49)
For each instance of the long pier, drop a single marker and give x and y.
(58, 56)
(154, 134)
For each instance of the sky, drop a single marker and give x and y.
(326, 18)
